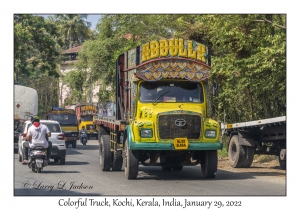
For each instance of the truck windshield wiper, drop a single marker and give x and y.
(161, 96)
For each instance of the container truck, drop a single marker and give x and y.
(25, 105)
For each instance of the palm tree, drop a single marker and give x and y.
(73, 28)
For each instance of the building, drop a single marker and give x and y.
(70, 57)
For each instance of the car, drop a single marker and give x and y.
(58, 152)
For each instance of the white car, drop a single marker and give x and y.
(58, 152)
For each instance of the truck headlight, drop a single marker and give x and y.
(146, 133)
(210, 133)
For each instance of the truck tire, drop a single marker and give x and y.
(104, 153)
(236, 153)
(131, 162)
(62, 161)
(209, 164)
(117, 160)
(101, 132)
(74, 144)
(282, 159)
(282, 164)
(249, 155)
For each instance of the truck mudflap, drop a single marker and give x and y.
(169, 145)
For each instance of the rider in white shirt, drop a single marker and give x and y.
(37, 135)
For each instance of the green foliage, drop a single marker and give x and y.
(249, 63)
(46, 87)
(75, 80)
(36, 46)
(73, 29)
(248, 55)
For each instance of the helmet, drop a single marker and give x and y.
(35, 119)
(83, 127)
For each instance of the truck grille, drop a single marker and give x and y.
(71, 134)
(89, 127)
(179, 126)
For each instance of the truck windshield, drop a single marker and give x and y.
(64, 119)
(170, 91)
(86, 118)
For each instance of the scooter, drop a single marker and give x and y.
(83, 137)
(37, 159)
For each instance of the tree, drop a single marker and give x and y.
(36, 46)
(249, 63)
(248, 56)
(72, 28)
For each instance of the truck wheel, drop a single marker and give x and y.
(236, 153)
(131, 162)
(101, 132)
(74, 144)
(282, 164)
(209, 164)
(62, 161)
(282, 159)
(117, 161)
(104, 153)
(249, 155)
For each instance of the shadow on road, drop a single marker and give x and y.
(59, 172)
(87, 147)
(69, 163)
(194, 173)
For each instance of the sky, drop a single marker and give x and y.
(93, 18)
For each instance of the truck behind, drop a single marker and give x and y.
(25, 105)
(68, 121)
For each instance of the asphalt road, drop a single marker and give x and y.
(81, 176)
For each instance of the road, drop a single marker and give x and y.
(81, 176)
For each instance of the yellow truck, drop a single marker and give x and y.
(85, 113)
(162, 111)
(68, 122)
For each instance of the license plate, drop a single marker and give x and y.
(181, 143)
(39, 160)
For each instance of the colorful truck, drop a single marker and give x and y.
(68, 122)
(263, 137)
(85, 113)
(162, 111)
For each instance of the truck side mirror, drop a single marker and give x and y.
(215, 89)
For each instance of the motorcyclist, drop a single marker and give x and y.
(37, 135)
(82, 130)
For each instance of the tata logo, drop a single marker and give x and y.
(180, 122)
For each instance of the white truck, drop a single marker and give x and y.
(266, 136)
(25, 104)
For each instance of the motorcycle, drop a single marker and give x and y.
(83, 137)
(37, 159)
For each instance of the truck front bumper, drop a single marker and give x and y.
(170, 146)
